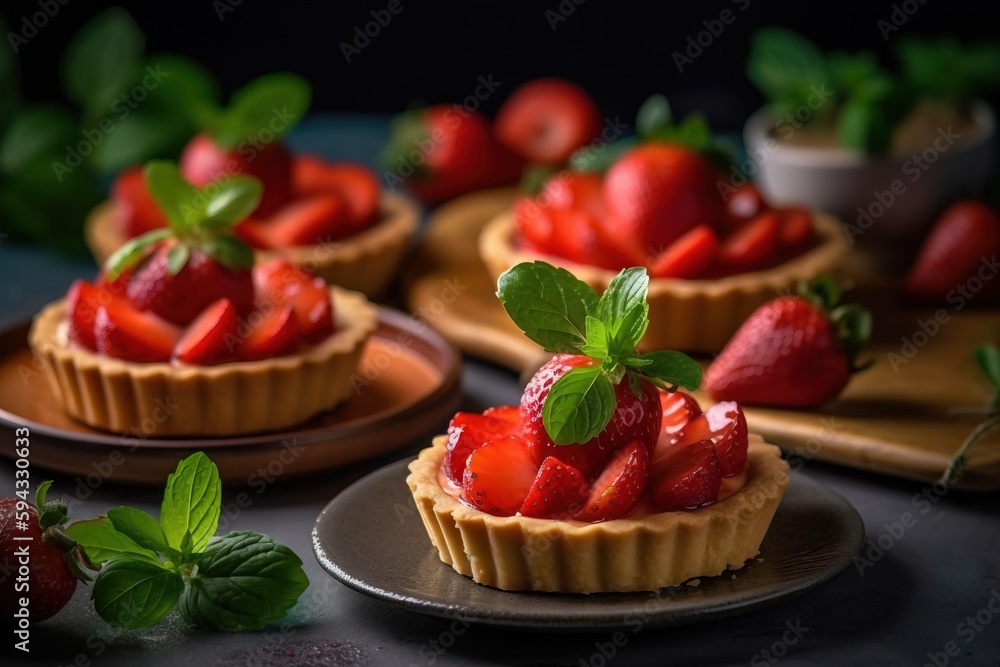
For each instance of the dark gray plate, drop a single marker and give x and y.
(371, 538)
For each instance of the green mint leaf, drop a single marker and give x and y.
(229, 251)
(588, 159)
(132, 593)
(103, 61)
(132, 251)
(235, 201)
(597, 339)
(189, 91)
(191, 502)
(37, 134)
(863, 126)
(628, 330)
(653, 114)
(102, 542)
(148, 132)
(988, 360)
(624, 310)
(41, 492)
(173, 194)
(141, 527)
(783, 64)
(177, 258)
(579, 405)
(671, 367)
(268, 106)
(244, 581)
(549, 304)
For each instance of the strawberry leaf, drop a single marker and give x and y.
(579, 406)
(549, 304)
(988, 360)
(671, 367)
(132, 251)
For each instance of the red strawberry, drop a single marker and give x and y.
(498, 476)
(82, 303)
(49, 583)
(678, 409)
(124, 333)
(269, 334)
(687, 257)
(685, 477)
(134, 205)
(180, 298)
(796, 229)
(619, 486)
(546, 120)
(355, 184)
(306, 221)
(534, 224)
(468, 431)
(570, 190)
(572, 235)
(558, 492)
(206, 341)
(203, 162)
(789, 353)
(634, 418)
(447, 150)
(656, 192)
(280, 282)
(754, 244)
(725, 426)
(744, 204)
(963, 240)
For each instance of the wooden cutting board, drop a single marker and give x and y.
(902, 417)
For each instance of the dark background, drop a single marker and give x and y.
(435, 51)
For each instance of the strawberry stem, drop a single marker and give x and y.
(958, 460)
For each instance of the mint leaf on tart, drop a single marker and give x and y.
(240, 581)
(563, 314)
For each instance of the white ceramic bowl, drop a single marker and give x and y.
(877, 196)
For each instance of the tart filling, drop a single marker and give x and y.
(638, 553)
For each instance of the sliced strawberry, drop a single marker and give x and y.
(746, 203)
(685, 477)
(533, 224)
(619, 486)
(468, 431)
(254, 233)
(355, 184)
(574, 191)
(280, 282)
(752, 245)
(558, 492)
(268, 335)
(678, 409)
(134, 205)
(307, 221)
(207, 339)
(124, 333)
(498, 476)
(687, 257)
(82, 304)
(725, 426)
(613, 251)
(572, 235)
(796, 227)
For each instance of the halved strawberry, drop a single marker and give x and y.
(306, 221)
(725, 426)
(498, 476)
(124, 333)
(280, 282)
(268, 335)
(619, 486)
(82, 303)
(558, 492)
(796, 227)
(752, 245)
(687, 257)
(206, 340)
(685, 477)
(468, 431)
(355, 184)
(678, 409)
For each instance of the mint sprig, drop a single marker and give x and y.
(263, 110)
(198, 218)
(240, 581)
(987, 356)
(564, 314)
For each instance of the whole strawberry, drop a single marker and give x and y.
(794, 351)
(33, 541)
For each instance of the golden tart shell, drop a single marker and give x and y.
(641, 553)
(365, 262)
(691, 315)
(165, 400)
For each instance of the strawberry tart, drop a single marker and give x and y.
(606, 477)
(182, 317)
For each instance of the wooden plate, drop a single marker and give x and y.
(897, 418)
(414, 377)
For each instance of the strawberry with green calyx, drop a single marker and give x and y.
(794, 351)
(598, 394)
(988, 360)
(178, 271)
(245, 137)
(56, 561)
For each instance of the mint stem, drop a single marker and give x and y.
(956, 462)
